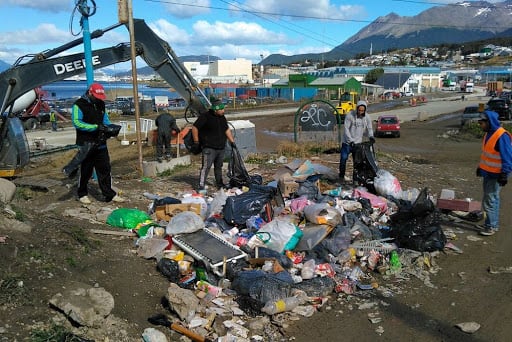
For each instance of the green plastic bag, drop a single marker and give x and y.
(127, 218)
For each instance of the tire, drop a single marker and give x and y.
(31, 124)
(397, 135)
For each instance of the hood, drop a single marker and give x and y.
(362, 103)
(494, 122)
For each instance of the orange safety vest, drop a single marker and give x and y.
(490, 159)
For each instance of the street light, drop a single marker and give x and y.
(262, 71)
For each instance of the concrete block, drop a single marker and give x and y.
(153, 168)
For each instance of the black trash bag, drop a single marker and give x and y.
(365, 166)
(339, 239)
(263, 286)
(309, 188)
(317, 287)
(237, 173)
(251, 307)
(188, 141)
(165, 200)
(419, 227)
(283, 260)
(238, 209)
(170, 269)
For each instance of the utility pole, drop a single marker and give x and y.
(126, 15)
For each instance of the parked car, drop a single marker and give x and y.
(408, 93)
(387, 125)
(470, 114)
(501, 107)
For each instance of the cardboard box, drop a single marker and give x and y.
(288, 186)
(459, 205)
(166, 212)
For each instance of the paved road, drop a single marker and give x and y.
(66, 135)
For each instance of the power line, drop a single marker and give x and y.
(336, 19)
(276, 22)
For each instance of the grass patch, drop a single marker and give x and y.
(54, 333)
(304, 150)
(80, 236)
(13, 292)
(178, 169)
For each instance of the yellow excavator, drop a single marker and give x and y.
(348, 102)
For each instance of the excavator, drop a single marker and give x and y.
(347, 103)
(43, 68)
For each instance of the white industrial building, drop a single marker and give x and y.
(238, 70)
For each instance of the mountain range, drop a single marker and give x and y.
(448, 24)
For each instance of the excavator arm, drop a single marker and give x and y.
(43, 69)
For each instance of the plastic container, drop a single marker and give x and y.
(282, 305)
(308, 269)
(394, 261)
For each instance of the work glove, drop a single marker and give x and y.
(478, 172)
(195, 148)
(232, 144)
(102, 133)
(502, 179)
(372, 140)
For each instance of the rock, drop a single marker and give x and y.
(7, 190)
(83, 304)
(468, 327)
(182, 301)
(14, 225)
(153, 335)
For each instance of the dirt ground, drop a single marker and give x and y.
(62, 249)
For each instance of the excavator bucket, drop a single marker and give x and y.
(14, 149)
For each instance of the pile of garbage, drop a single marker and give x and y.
(242, 255)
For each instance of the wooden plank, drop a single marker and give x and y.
(114, 232)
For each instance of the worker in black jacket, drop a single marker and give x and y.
(210, 133)
(165, 124)
(90, 119)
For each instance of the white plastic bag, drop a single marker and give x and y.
(184, 222)
(386, 184)
(284, 235)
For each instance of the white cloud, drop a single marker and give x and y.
(169, 32)
(45, 6)
(44, 33)
(304, 9)
(189, 8)
(237, 32)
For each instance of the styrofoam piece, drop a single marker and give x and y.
(381, 245)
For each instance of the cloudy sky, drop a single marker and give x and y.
(224, 28)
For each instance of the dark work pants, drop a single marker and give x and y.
(99, 160)
(344, 154)
(215, 158)
(163, 141)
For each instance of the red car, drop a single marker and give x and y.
(388, 125)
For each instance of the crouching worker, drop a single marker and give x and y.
(166, 123)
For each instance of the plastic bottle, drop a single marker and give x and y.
(282, 305)
(308, 269)
(394, 261)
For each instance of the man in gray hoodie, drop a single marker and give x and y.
(357, 126)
